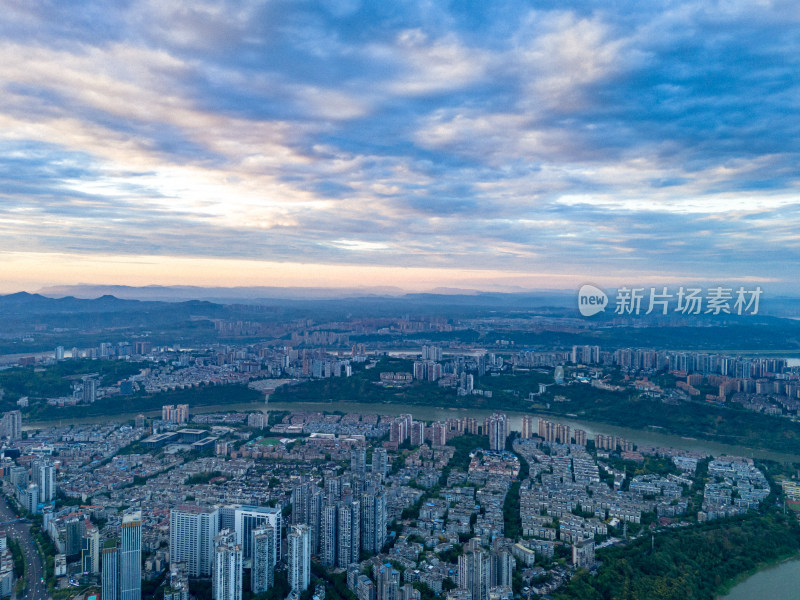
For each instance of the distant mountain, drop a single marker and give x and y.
(332, 302)
(22, 309)
(35, 322)
(23, 303)
(242, 294)
(269, 295)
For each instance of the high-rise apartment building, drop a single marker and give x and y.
(400, 428)
(264, 544)
(191, 538)
(249, 518)
(43, 474)
(110, 572)
(417, 434)
(527, 427)
(178, 415)
(74, 528)
(438, 434)
(90, 549)
(227, 577)
(473, 572)
(380, 462)
(299, 558)
(580, 437)
(496, 427)
(501, 569)
(358, 461)
(387, 582)
(317, 503)
(11, 425)
(89, 390)
(547, 430)
(348, 531)
(301, 503)
(563, 434)
(327, 535)
(130, 557)
(373, 520)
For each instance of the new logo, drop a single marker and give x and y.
(591, 300)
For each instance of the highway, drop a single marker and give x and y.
(34, 569)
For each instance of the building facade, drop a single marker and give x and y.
(130, 557)
(227, 577)
(299, 558)
(191, 538)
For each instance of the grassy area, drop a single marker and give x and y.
(269, 442)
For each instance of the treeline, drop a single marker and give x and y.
(512, 520)
(779, 334)
(335, 583)
(692, 563)
(56, 380)
(362, 387)
(719, 424)
(17, 556)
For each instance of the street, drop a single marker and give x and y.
(34, 569)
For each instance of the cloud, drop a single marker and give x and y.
(431, 66)
(560, 57)
(573, 137)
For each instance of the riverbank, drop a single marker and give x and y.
(640, 437)
(691, 562)
(743, 585)
(723, 424)
(435, 413)
(129, 416)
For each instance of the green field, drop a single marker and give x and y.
(269, 442)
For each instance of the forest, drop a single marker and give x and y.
(696, 563)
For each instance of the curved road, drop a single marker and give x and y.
(34, 570)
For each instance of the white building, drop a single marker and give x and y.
(249, 518)
(191, 538)
(227, 577)
(299, 558)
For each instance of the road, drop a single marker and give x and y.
(34, 569)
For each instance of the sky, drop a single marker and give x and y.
(482, 145)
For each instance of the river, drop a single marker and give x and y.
(637, 436)
(778, 582)
(432, 413)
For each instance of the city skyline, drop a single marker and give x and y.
(502, 147)
(472, 503)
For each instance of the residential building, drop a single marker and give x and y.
(299, 558)
(130, 557)
(227, 577)
(191, 538)
(265, 540)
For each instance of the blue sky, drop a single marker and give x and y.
(491, 145)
